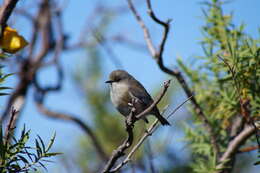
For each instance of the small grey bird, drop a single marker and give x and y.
(123, 88)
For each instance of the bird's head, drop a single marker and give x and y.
(118, 76)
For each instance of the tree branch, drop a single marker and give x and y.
(77, 121)
(148, 133)
(6, 11)
(234, 145)
(147, 36)
(165, 25)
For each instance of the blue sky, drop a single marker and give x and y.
(183, 42)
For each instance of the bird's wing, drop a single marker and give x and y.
(137, 91)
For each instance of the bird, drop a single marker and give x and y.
(124, 88)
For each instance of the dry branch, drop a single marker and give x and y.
(234, 145)
(78, 122)
(148, 133)
(6, 11)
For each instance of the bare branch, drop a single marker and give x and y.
(77, 121)
(148, 133)
(166, 26)
(234, 145)
(147, 36)
(119, 152)
(6, 11)
(43, 24)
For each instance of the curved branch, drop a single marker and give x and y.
(6, 11)
(77, 121)
(147, 36)
(234, 145)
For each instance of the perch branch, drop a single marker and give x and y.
(148, 133)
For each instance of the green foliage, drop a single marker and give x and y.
(220, 83)
(2, 75)
(15, 156)
(258, 162)
(201, 166)
(2, 80)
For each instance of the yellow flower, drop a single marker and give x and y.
(11, 41)
(244, 93)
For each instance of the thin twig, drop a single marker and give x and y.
(166, 26)
(248, 149)
(147, 36)
(10, 125)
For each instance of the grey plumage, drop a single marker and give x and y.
(124, 88)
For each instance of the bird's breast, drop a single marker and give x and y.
(119, 93)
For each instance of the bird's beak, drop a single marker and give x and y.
(109, 81)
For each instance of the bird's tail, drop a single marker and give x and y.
(162, 120)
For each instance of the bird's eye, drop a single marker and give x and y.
(117, 79)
